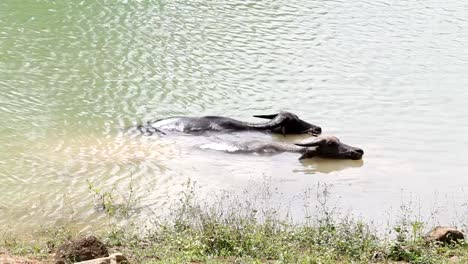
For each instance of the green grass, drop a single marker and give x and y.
(234, 231)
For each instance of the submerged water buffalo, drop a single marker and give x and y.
(329, 147)
(283, 123)
(319, 146)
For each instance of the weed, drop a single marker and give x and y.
(113, 204)
(231, 229)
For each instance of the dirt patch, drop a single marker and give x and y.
(6, 258)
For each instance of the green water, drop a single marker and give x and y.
(389, 77)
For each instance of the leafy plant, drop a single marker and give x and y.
(111, 202)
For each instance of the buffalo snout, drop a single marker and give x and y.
(314, 130)
(358, 153)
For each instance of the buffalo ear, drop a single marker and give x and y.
(266, 116)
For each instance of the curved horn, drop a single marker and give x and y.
(277, 121)
(312, 143)
(266, 116)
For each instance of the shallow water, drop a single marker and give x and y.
(389, 77)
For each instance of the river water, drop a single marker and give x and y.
(390, 77)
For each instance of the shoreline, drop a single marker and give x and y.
(234, 230)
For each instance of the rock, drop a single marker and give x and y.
(378, 256)
(81, 249)
(116, 258)
(444, 235)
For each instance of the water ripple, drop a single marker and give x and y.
(387, 76)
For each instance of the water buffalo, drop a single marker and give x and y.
(329, 147)
(282, 123)
(319, 146)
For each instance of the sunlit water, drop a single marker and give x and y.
(389, 77)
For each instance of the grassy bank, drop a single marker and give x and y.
(236, 231)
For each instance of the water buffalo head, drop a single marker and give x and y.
(329, 147)
(289, 123)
